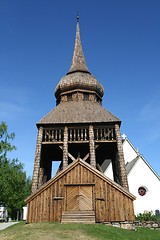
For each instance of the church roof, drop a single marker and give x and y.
(78, 79)
(78, 112)
(129, 165)
(78, 76)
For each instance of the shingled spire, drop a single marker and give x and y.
(78, 77)
(78, 60)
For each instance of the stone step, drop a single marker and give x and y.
(78, 217)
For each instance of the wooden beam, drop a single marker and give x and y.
(69, 155)
(99, 168)
(87, 155)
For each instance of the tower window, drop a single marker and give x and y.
(85, 96)
(69, 97)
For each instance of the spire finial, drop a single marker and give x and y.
(77, 17)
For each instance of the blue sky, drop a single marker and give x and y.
(121, 43)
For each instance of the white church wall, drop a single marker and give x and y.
(109, 171)
(142, 175)
(128, 151)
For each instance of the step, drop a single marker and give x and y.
(78, 217)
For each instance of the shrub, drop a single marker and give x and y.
(147, 216)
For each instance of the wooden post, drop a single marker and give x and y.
(65, 148)
(92, 147)
(35, 178)
(40, 179)
(121, 163)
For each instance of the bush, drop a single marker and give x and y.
(147, 216)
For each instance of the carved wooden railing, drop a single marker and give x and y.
(104, 134)
(53, 135)
(79, 134)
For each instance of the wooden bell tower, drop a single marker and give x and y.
(84, 137)
(78, 127)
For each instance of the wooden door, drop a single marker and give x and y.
(79, 198)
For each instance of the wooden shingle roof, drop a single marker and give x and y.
(78, 79)
(78, 112)
(78, 60)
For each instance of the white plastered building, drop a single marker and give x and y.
(144, 182)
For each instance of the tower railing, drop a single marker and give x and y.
(78, 134)
(53, 135)
(104, 134)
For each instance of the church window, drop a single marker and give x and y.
(142, 190)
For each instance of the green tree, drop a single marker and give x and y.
(5, 145)
(14, 185)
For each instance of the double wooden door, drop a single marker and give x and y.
(79, 198)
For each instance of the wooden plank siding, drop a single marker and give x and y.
(109, 200)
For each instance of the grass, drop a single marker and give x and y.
(57, 231)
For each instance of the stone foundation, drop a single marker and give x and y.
(155, 225)
(148, 224)
(125, 225)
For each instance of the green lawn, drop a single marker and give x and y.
(56, 231)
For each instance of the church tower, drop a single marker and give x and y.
(78, 127)
(84, 137)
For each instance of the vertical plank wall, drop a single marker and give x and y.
(109, 202)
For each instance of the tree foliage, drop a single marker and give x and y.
(14, 185)
(5, 145)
